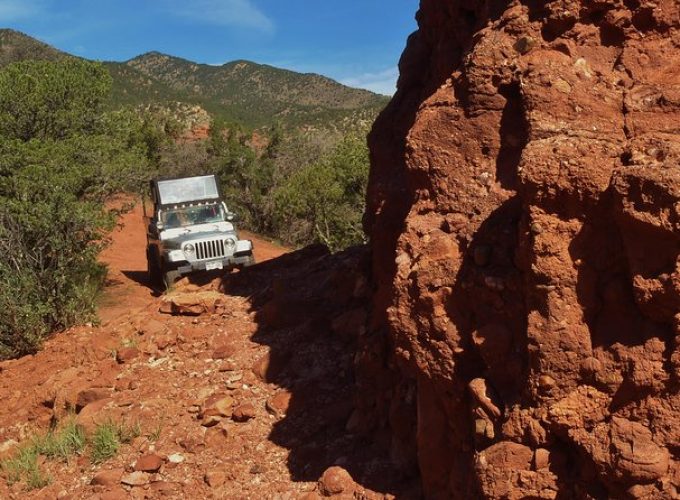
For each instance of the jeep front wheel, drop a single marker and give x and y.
(153, 268)
(169, 278)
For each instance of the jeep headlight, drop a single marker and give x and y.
(230, 244)
(189, 248)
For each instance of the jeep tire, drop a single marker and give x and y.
(153, 268)
(169, 278)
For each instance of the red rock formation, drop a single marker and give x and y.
(524, 212)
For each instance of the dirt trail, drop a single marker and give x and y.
(127, 285)
(216, 417)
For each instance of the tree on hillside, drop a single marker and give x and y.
(324, 201)
(45, 100)
(246, 177)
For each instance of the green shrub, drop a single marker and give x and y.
(324, 202)
(61, 156)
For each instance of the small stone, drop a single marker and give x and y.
(335, 480)
(562, 86)
(165, 341)
(541, 459)
(480, 427)
(223, 352)
(215, 478)
(216, 436)
(279, 403)
(176, 458)
(224, 406)
(258, 469)
(137, 478)
(591, 365)
(524, 44)
(107, 477)
(88, 396)
(227, 366)
(480, 392)
(218, 405)
(149, 463)
(192, 444)
(211, 420)
(546, 382)
(536, 228)
(244, 412)
(126, 354)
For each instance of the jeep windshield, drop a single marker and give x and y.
(189, 216)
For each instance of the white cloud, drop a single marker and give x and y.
(240, 13)
(14, 10)
(383, 82)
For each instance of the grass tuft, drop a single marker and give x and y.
(23, 466)
(108, 437)
(105, 443)
(156, 433)
(60, 445)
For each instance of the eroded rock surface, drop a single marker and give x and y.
(524, 213)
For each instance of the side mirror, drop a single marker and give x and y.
(232, 217)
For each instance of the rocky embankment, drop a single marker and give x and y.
(524, 212)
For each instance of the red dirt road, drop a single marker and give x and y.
(218, 413)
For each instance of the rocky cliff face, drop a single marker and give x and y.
(524, 210)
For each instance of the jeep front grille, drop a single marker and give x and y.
(211, 249)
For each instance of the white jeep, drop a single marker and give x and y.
(191, 230)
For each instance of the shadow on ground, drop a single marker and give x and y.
(140, 277)
(311, 311)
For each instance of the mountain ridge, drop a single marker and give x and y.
(242, 91)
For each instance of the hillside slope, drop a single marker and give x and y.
(257, 94)
(16, 46)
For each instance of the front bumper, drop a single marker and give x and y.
(226, 263)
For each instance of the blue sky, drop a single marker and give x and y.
(357, 42)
